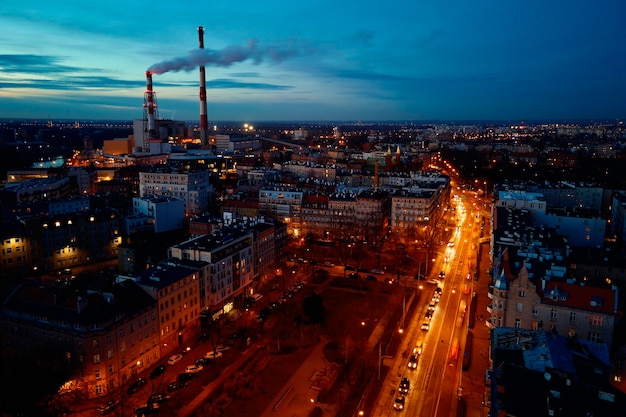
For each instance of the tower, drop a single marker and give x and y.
(204, 128)
(150, 109)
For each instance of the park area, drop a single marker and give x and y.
(358, 314)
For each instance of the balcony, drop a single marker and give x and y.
(489, 308)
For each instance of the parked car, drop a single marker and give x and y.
(158, 398)
(136, 386)
(193, 369)
(108, 406)
(377, 271)
(213, 355)
(176, 385)
(185, 377)
(157, 372)
(222, 348)
(234, 316)
(433, 281)
(370, 277)
(174, 359)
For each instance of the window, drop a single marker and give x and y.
(572, 316)
(535, 311)
(518, 323)
(595, 320)
(95, 343)
(518, 307)
(110, 354)
(553, 313)
(522, 293)
(98, 374)
(96, 358)
(534, 325)
(594, 337)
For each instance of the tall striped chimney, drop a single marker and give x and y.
(204, 124)
(150, 106)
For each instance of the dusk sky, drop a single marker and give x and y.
(315, 60)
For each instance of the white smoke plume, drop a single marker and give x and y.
(223, 58)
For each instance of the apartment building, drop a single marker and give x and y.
(190, 186)
(106, 335)
(284, 205)
(229, 253)
(62, 240)
(568, 309)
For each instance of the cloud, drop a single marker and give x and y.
(226, 83)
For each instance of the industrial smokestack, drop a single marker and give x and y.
(204, 124)
(150, 105)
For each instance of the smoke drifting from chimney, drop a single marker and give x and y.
(223, 58)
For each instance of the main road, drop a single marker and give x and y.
(435, 384)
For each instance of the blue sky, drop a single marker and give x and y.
(316, 60)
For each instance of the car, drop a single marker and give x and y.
(354, 275)
(158, 398)
(438, 290)
(145, 410)
(433, 281)
(157, 372)
(426, 326)
(174, 359)
(136, 386)
(349, 268)
(246, 306)
(413, 362)
(370, 278)
(176, 385)
(377, 271)
(450, 244)
(398, 403)
(432, 306)
(234, 316)
(108, 406)
(185, 377)
(404, 386)
(428, 315)
(442, 275)
(435, 300)
(213, 355)
(258, 318)
(193, 369)
(273, 305)
(417, 350)
(222, 348)
(201, 362)
(329, 264)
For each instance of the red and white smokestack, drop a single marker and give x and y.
(204, 123)
(150, 105)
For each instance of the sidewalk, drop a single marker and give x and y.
(473, 379)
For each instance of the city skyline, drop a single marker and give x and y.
(315, 61)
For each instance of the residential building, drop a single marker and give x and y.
(540, 373)
(189, 185)
(108, 335)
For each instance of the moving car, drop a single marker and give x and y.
(426, 326)
(405, 384)
(173, 360)
(398, 403)
(413, 362)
